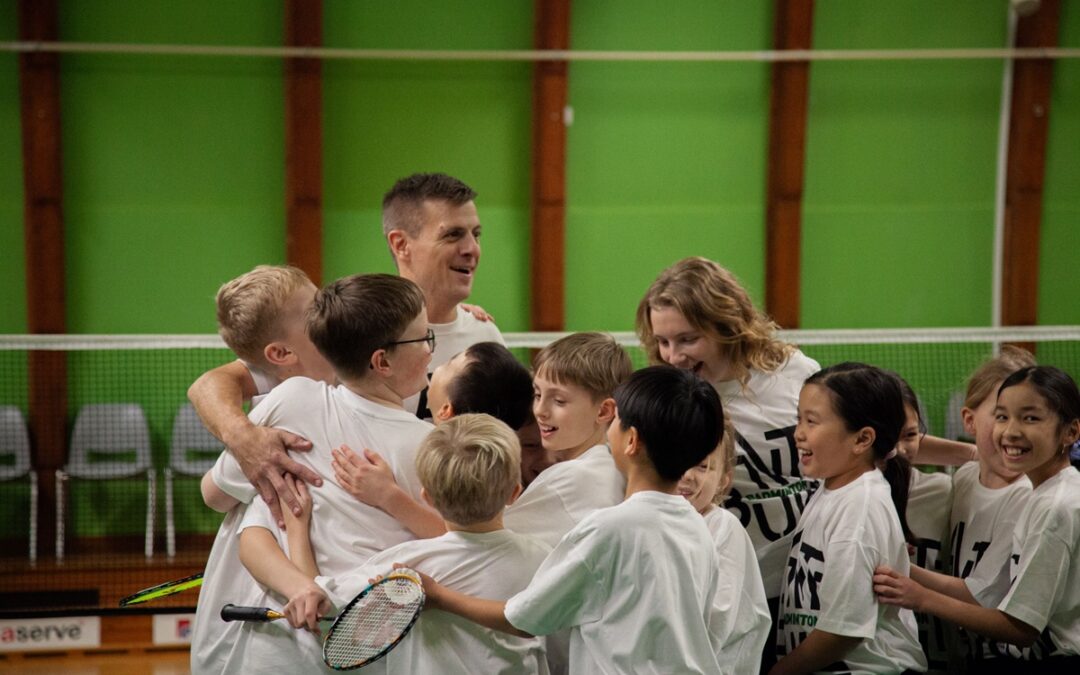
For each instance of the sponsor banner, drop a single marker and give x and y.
(173, 629)
(24, 635)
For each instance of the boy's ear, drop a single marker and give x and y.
(513, 497)
(426, 497)
(968, 417)
(379, 363)
(279, 354)
(606, 412)
(864, 440)
(445, 412)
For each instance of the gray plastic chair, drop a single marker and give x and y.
(192, 452)
(15, 443)
(112, 431)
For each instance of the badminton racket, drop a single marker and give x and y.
(372, 624)
(162, 590)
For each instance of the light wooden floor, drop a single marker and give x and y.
(172, 662)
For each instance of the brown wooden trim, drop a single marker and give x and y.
(548, 251)
(1026, 167)
(43, 222)
(787, 149)
(303, 140)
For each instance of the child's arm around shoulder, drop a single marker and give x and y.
(370, 480)
(893, 588)
(488, 613)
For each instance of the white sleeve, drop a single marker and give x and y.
(230, 479)
(989, 581)
(566, 591)
(1040, 582)
(258, 514)
(848, 604)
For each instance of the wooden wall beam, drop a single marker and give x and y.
(548, 254)
(1026, 167)
(43, 222)
(303, 140)
(787, 152)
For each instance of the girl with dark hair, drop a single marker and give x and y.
(1036, 421)
(849, 421)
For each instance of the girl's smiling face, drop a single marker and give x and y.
(827, 448)
(1029, 434)
(685, 346)
(910, 435)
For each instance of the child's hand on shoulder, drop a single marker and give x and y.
(295, 522)
(478, 312)
(893, 588)
(368, 478)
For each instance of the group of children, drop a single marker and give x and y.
(740, 511)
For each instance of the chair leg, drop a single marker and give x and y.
(33, 515)
(170, 523)
(151, 498)
(61, 478)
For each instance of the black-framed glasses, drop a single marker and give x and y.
(429, 339)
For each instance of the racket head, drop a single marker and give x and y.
(162, 590)
(375, 621)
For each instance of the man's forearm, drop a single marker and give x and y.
(218, 397)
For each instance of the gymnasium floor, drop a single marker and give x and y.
(170, 662)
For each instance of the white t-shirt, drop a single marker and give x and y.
(1045, 592)
(450, 339)
(225, 579)
(635, 585)
(740, 602)
(490, 565)
(264, 382)
(982, 524)
(929, 501)
(842, 536)
(768, 493)
(343, 530)
(564, 493)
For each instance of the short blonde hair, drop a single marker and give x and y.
(725, 453)
(249, 308)
(982, 382)
(470, 466)
(592, 361)
(712, 301)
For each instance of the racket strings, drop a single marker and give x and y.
(374, 623)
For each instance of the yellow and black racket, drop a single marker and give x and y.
(162, 590)
(372, 624)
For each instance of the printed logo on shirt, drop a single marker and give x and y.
(799, 600)
(971, 559)
(774, 508)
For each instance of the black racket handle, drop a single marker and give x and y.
(231, 612)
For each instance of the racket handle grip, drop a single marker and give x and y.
(231, 612)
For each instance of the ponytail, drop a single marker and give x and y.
(897, 470)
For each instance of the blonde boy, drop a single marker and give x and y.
(573, 384)
(373, 330)
(469, 467)
(262, 317)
